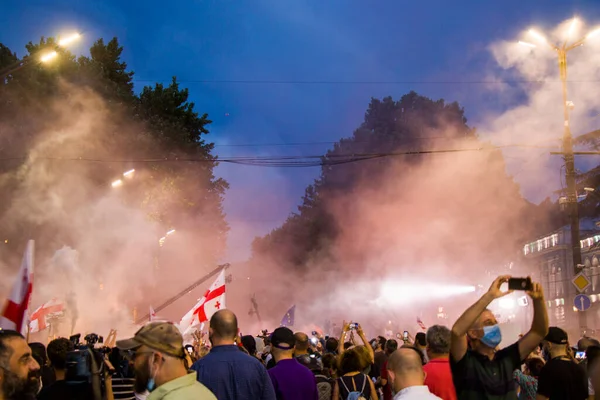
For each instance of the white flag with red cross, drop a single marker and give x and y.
(212, 301)
(14, 312)
(38, 320)
(152, 314)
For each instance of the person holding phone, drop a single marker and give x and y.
(479, 370)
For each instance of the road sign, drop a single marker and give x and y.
(581, 282)
(582, 302)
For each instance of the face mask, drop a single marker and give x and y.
(492, 336)
(151, 384)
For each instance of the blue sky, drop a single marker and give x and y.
(285, 40)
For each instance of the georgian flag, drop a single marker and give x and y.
(14, 312)
(212, 301)
(421, 324)
(38, 317)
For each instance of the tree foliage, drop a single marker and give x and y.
(414, 122)
(159, 122)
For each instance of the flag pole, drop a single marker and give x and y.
(28, 329)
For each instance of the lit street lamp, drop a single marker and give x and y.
(44, 58)
(48, 56)
(562, 51)
(68, 40)
(119, 182)
(571, 200)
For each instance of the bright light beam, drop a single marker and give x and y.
(593, 33)
(526, 44)
(128, 173)
(572, 27)
(68, 40)
(48, 56)
(507, 303)
(117, 183)
(172, 231)
(538, 36)
(404, 293)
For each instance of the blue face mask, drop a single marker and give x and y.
(151, 385)
(492, 336)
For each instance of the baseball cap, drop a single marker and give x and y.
(556, 335)
(283, 338)
(160, 336)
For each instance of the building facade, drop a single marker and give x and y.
(550, 258)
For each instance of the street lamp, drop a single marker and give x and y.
(69, 39)
(562, 51)
(44, 58)
(48, 56)
(571, 200)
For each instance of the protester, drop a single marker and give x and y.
(122, 378)
(438, 375)
(379, 349)
(38, 350)
(19, 372)
(406, 376)
(528, 381)
(159, 363)
(331, 346)
(561, 377)
(479, 370)
(326, 378)
(592, 355)
(421, 344)
(229, 373)
(311, 361)
(390, 347)
(249, 344)
(60, 389)
(290, 378)
(351, 379)
(582, 345)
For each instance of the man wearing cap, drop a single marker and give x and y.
(561, 377)
(159, 362)
(291, 379)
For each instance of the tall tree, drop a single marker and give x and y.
(41, 99)
(332, 213)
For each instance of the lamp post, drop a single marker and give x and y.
(571, 200)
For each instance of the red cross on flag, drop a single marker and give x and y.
(38, 317)
(212, 301)
(14, 312)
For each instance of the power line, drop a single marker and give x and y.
(324, 142)
(357, 82)
(277, 161)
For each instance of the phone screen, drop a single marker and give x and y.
(405, 335)
(580, 355)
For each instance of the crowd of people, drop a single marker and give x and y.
(461, 362)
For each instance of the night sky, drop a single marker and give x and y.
(431, 47)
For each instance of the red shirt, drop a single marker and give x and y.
(387, 389)
(439, 378)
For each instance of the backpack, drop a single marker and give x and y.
(324, 387)
(355, 395)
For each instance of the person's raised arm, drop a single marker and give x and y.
(458, 341)
(345, 328)
(539, 326)
(361, 333)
